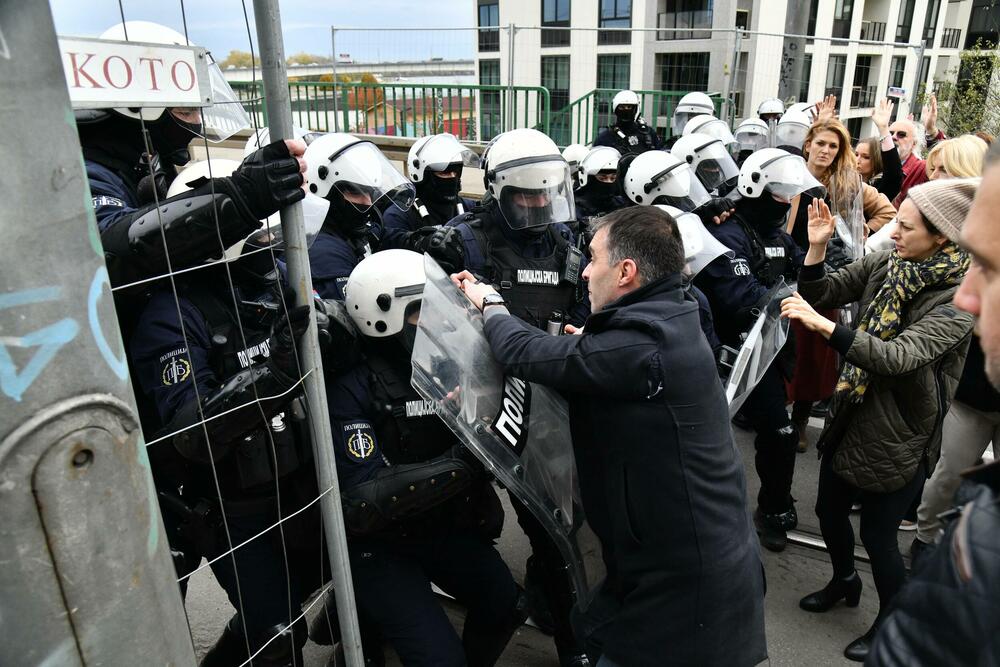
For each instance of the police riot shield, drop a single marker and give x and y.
(760, 348)
(849, 234)
(518, 430)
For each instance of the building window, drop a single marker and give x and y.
(555, 14)
(925, 70)
(862, 94)
(489, 34)
(905, 21)
(854, 129)
(682, 71)
(739, 98)
(811, 24)
(931, 21)
(896, 69)
(984, 25)
(835, 69)
(743, 19)
(614, 14)
(681, 19)
(807, 64)
(490, 117)
(843, 12)
(555, 77)
(613, 74)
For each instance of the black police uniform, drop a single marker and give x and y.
(425, 212)
(630, 138)
(538, 273)
(736, 288)
(204, 364)
(332, 257)
(416, 513)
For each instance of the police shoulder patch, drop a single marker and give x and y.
(740, 267)
(175, 370)
(105, 200)
(359, 440)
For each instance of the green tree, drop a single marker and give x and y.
(304, 58)
(969, 98)
(237, 58)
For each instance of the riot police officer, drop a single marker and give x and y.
(630, 135)
(689, 106)
(770, 110)
(354, 176)
(218, 362)
(752, 135)
(711, 161)
(737, 287)
(418, 508)
(600, 192)
(131, 156)
(519, 243)
(434, 164)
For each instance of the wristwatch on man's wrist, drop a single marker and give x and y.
(493, 300)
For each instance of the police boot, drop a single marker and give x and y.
(775, 463)
(230, 648)
(538, 603)
(484, 643)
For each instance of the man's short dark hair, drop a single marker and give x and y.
(648, 236)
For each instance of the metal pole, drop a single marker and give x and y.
(86, 572)
(916, 78)
(272, 54)
(730, 105)
(333, 48)
(509, 125)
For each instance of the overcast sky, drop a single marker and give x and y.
(219, 26)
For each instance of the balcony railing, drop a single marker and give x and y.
(951, 38)
(862, 96)
(873, 31)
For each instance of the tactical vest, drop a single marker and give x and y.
(638, 141)
(533, 287)
(253, 466)
(407, 426)
(769, 258)
(424, 213)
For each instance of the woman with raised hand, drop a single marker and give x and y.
(901, 368)
(878, 159)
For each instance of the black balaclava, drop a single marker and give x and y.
(436, 189)
(625, 118)
(345, 217)
(764, 212)
(171, 137)
(598, 190)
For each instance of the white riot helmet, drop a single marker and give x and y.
(625, 98)
(778, 173)
(657, 177)
(770, 108)
(438, 152)
(752, 134)
(700, 247)
(792, 129)
(689, 106)
(262, 137)
(383, 290)
(574, 154)
(224, 118)
(709, 158)
(601, 158)
(314, 208)
(805, 107)
(713, 127)
(353, 167)
(530, 180)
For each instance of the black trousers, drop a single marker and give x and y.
(775, 444)
(880, 517)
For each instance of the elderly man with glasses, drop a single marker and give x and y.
(906, 134)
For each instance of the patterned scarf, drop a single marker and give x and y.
(904, 281)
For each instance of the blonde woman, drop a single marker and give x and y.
(961, 157)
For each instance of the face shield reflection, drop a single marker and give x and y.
(751, 139)
(364, 177)
(536, 194)
(715, 166)
(788, 176)
(790, 134)
(677, 186)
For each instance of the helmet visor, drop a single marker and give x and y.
(700, 247)
(681, 119)
(790, 134)
(226, 116)
(678, 187)
(787, 176)
(715, 166)
(602, 158)
(440, 151)
(535, 194)
(751, 139)
(718, 129)
(364, 177)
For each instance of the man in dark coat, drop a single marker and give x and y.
(661, 482)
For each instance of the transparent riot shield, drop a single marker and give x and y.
(761, 346)
(518, 430)
(849, 232)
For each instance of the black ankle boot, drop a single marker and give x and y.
(848, 590)
(857, 650)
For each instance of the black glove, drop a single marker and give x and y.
(714, 208)
(339, 343)
(284, 335)
(444, 244)
(268, 180)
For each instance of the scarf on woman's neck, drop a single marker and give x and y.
(905, 280)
